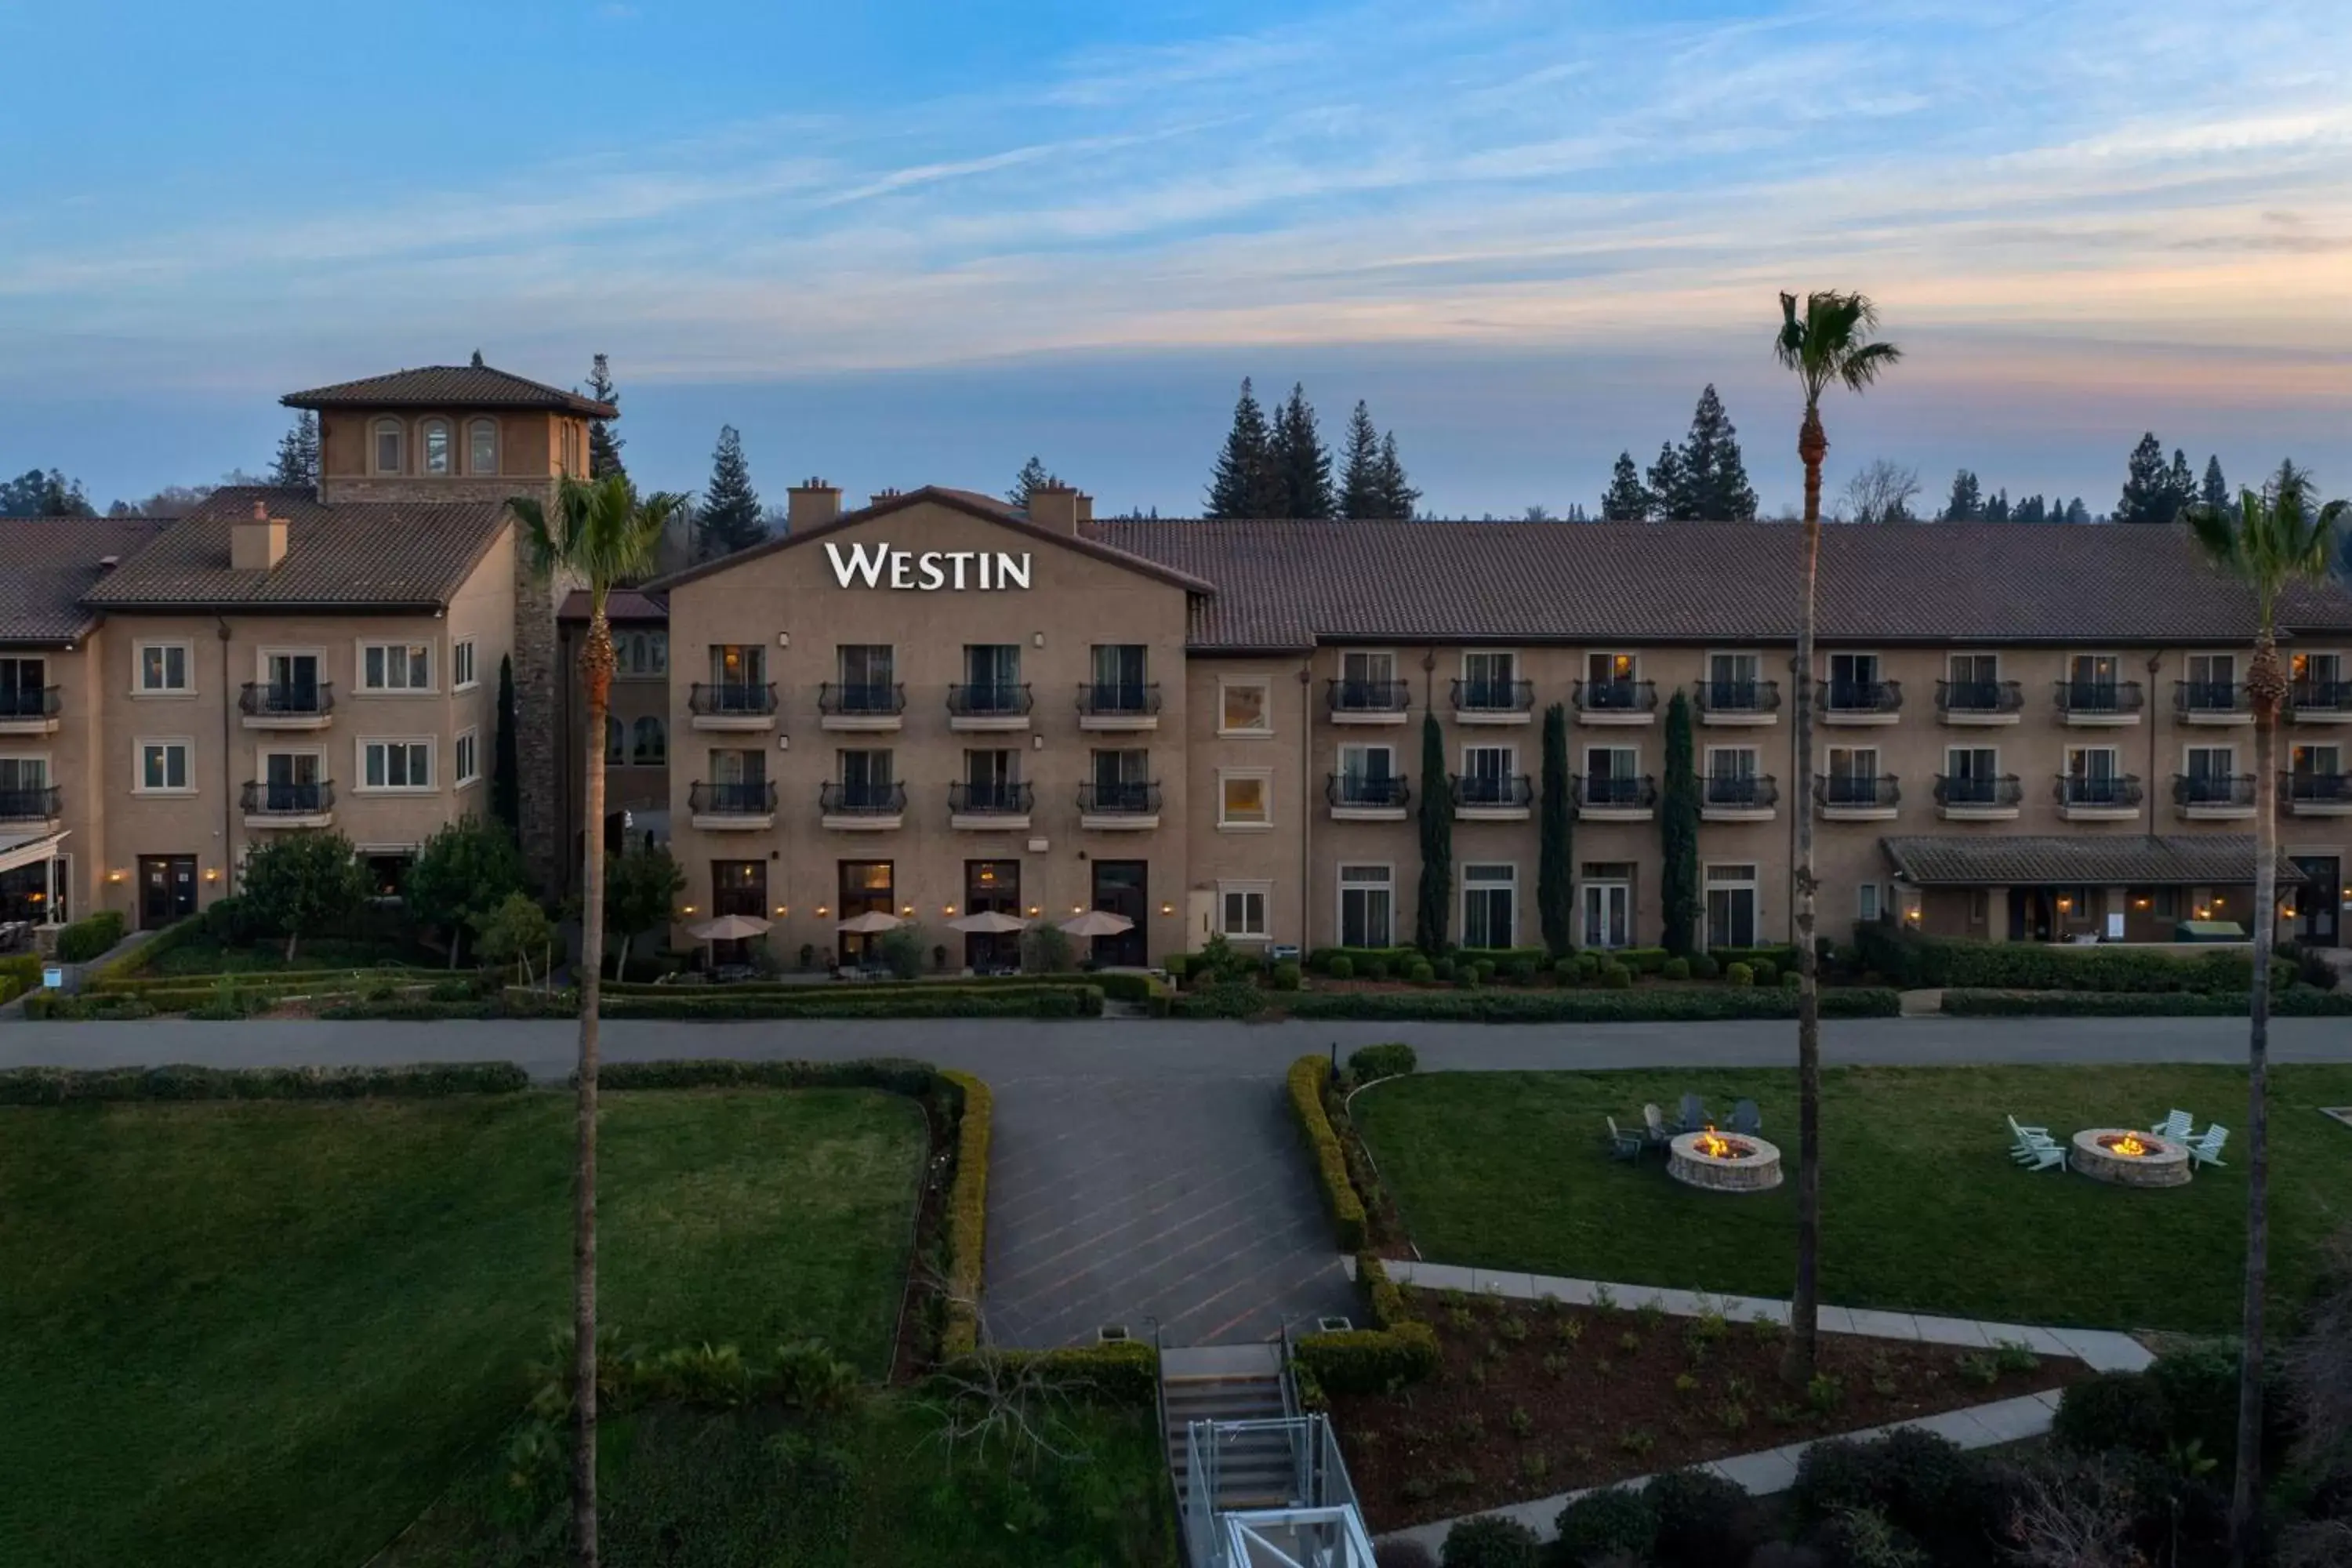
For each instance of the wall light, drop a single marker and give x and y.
(2064, 904)
(1034, 912)
(781, 910)
(908, 911)
(689, 909)
(1167, 909)
(823, 911)
(115, 876)
(1036, 639)
(1077, 908)
(947, 909)
(2218, 900)
(212, 873)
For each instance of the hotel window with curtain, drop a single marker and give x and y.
(1367, 900)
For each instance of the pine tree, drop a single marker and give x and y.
(1359, 474)
(1966, 502)
(1032, 477)
(2181, 483)
(728, 518)
(2215, 491)
(1397, 494)
(295, 465)
(506, 768)
(604, 446)
(1555, 849)
(2147, 485)
(1434, 903)
(1714, 477)
(1669, 496)
(1247, 483)
(1996, 509)
(1624, 501)
(2032, 508)
(1304, 461)
(1678, 818)
(2076, 512)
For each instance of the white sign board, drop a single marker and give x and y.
(2115, 927)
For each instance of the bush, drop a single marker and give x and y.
(1489, 1540)
(873, 1002)
(2109, 1411)
(1769, 972)
(1912, 961)
(1045, 950)
(2197, 1386)
(1222, 999)
(1564, 972)
(1614, 1520)
(1125, 1374)
(62, 1086)
(1616, 976)
(1283, 976)
(1370, 1064)
(1924, 1483)
(1675, 969)
(1399, 1553)
(1702, 1518)
(233, 922)
(967, 1217)
(1419, 972)
(1836, 1476)
(1341, 967)
(1742, 974)
(892, 1075)
(2294, 1002)
(87, 938)
(1307, 1078)
(19, 972)
(902, 950)
(1443, 969)
(1122, 985)
(1520, 972)
(1578, 1006)
(1863, 1538)
(1703, 966)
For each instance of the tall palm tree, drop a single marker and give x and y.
(1830, 344)
(2266, 541)
(598, 533)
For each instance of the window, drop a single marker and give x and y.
(1608, 904)
(1735, 682)
(1613, 775)
(616, 742)
(2212, 762)
(1853, 680)
(1242, 800)
(1490, 680)
(163, 667)
(648, 743)
(867, 672)
(1853, 776)
(468, 755)
(1245, 707)
(1367, 900)
(24, 687)
(1972, 776)
(396, 764)
(482, 446)
(1865, 901)
(2212, 677)
(1368, 761)
(440, 459)
(21, 776)
(164, 767)
(461, 665)
(1730, 906)
(395, 666)
(1490, 898)
(1362, 669)
(2315, 762)
(1241, 910)
(388, 443)
(641, 654)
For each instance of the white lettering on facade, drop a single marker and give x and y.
(933, 577)
(1011, 570)
(929, 571)
(857, 562)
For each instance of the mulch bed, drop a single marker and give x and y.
(1536, 1399)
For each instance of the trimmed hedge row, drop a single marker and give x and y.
(1309, 1077)
(1038, 1002)
(1397, 1350)
(262, 979)
(1592, 1006)
(19, 972)
(1124, 1373)
(1912, 962)
(92, 936)
(430, 1080)
(967, 1216)
(896, 1075)
(175, 935)
(60, 1007)
(2296, 1002)
(855, 987)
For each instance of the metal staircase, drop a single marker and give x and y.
(1258, 1483)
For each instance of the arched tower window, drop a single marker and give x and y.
(482, 446)
(389, 442)
(439, 456)
(651, 748)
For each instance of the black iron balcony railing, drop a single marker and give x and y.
(1494, 696)
(1120, 797)
(31, 701)
(1978, 696)
(1001, 699)
(990, 798)
(1737, 696)
(2099, 699)
(1476, 790)
(1861, 696)
(1632, 792)
(2308, 695)
(287, 699)
(738, 797)
(2195, 697)
(1367, 790)
(2315, 789)
(1616, 696)
(39, 804)
(273, 798)
(1119, 699)
(732, 699)
(1369, 696)
(862, 699)
(2004, 791)
(1834, 790)
(2213, 789)
(869, 798)
(1740, 792)
(2117, 790)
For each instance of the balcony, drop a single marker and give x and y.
(746, 805)
(989, 805)
(865, 706)
(2317, 795)
(862, 807)
(1358, 798)
(1979, 800)
(1861, 701)
(2213, 797)
(1738, 701)
(1492, 797)
(276, 805)
(1118, 705)
(1494, 702)
(277, 705)
(1119, 808)
(2308, 701)
(1856, 797)
(1368, 701)
(2211, 702)
(1968, 702)
(997, 707)
(37, 804)
(28, 711)
(1738, 798)
(1616, 701)
(2091, 798)
(2099, 704)
(1609, 799)
(732, 705)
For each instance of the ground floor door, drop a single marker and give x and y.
(992, 887)
(2319, 901)
(167, 890)
(867, 889)
(1121, 888)
(737, 888)
(2032, 914)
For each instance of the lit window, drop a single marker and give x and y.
(395, 666)
(163, 667)
(649, 744)
(1246, 708)
(468, 755)
(461, 664)
(1242, 906)
(1242, 801)
(163, 766)
(482, 446)
(396, 764)
(388, 443)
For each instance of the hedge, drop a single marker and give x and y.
(60, 1007)
(260, 979)
(2296, 1002)
(1226, 999)
(1319, 961)
(1398, 1348)
(929, 984)
(92, 936)
(896, 1075)
(1370, 1064)
(967, 1216)
(1308, 1075)
(1677, 1005)
(19, 972)
(1036, 1002)
(122, 966)
(1125, 1373)
(1915, 961)
(431, 1081)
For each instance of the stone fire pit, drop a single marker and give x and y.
(1724, 1162)
(2129, 1158)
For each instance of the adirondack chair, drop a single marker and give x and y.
(1746, 1118)
(1654, 1128)
(2207, 1148)
(2174, 1126)
(2034, 1148)
(1624, 1145)
(1692, 1117)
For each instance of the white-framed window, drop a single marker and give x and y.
(649, 744)
(1245, 705)
(1244, 797)
(395, 666)
(461, 666)
(482, 446)
(1731, 905)
(438, 446)
(163, 765)
(22, 777)
(1605, 902)
(162, 668)
(1490, 680)
(616, 742)
(643, 654)
(1490, 904)
(1367, 906)
(388, 443)
(396, 765)
(1866, 901)
(1241, 910)
(467, 754)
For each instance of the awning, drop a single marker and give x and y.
(19, 849)
(2119, 860)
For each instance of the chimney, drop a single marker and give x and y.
(812, 505)
(257, 544)
(1059, 507)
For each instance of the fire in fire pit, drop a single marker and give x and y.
(1715, 1146)
(2129, 1145)
(2129, 1158)
(1723, 1164)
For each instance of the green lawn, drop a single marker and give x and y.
(270, 1333)
(1921, 1207)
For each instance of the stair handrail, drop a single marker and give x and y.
(1289, 1389)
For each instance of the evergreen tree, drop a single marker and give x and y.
(37, 494)
(1397, 494)
(2180, 482)
(1966, 503)
(1678, 817)
(2076, 512)
(1996, 509)
(1669, 496)
(2148, 496)
(604, 446)
(295, 465)
(729, 516)
(1304, 461)
(1624, 501)
(1435, 902)
(1555, 862)
(2032, 508)
(1715, 486)
(1247, 483)
(2215, 491)
(1032, 477)
(1359, 472)
(506, 769)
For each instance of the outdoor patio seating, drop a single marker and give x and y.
(2205, 1148)
(1746, 1119)
(2176, 1126)
(2034, 1148)
(1624, 1145)
(1653, 1122)
(1692, 1117)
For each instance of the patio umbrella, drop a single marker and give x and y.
(1098, 922)
(989, 922)
(729, 927)
(872, 922)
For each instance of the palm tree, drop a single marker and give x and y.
(599, 534)
(1830, 344)
(2266, 541)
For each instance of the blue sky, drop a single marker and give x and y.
(897, 243)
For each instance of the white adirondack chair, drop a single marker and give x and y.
(2176, 1126)
(2206, 1148)
(2034, 1148)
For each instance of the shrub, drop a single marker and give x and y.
(1483, 968)
(1623, 1005)
(1222, 999)
(1703, 966)
(1836, 1476)
(1702, 1520)
(1616, 976)
(1341, 967)
(2111, 1410)
(62, 1086)
(2197, 1387)
(1370, 1064)
(1045, 950)
(902, 950)
(1489, 1540)
(1419, 972)
(1443, 968)
(2295, 1002)
(1675, 969)
(1923, 1480)
(967, 1218)
(1739, 975)
(872, 1002)
(1401, 1554)
(1612, 1521)
(1125, 1374)
(1767, 972)
(1285, 976)
(1219, 962)
(44, 1004)
(88, 937)
(1912, 960)
(1520, 972)
(1566, 973)
(233, 922)
(1862, 1538)
(1308, 1075)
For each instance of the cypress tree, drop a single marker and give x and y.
(1304, 461)
(506, 771)
(1247, 483)
(2147, 485)
(728, 518)
(1624, 501)
(604, 446)
(1360, 477)
(1713, 480)
(295, 465)
(1397, 494)
(1678, 818)
(1032, 477)
(1435, 905)
(1966, 503)
(2215, 491)
(1555, 864)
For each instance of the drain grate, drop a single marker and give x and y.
(1112, 1334)
(1333, 1325)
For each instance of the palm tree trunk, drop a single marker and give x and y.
(1805, 1308)
(2265, 687)
(596, 670)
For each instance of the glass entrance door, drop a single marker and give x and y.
(167, 890)
(992, 887)
(2319, 901)
(1120, 887)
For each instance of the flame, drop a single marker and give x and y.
(1713, 1145)
(2129, 1143)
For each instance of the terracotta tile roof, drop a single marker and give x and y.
(2091, 858)
(357, 555)
(448, 387)
(619, 605)
(1285, 584)
(52, 562)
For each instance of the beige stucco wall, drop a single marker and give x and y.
(530, 449)
(67, 751)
